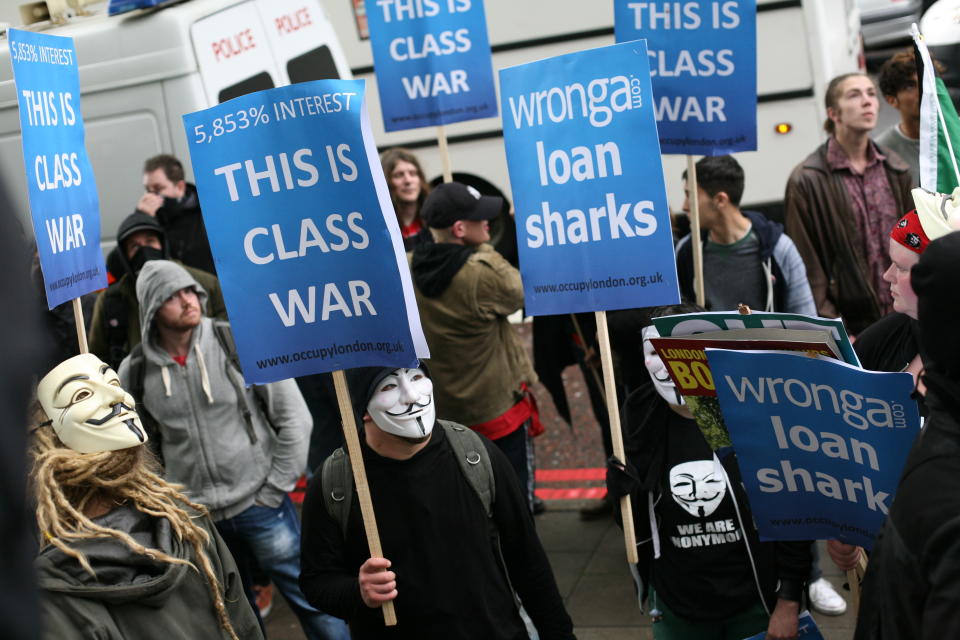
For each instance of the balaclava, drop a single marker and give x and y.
(139, 221)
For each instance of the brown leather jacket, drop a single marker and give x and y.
(820, 222)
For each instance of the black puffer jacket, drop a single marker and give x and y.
(186, 234)
(912, 586)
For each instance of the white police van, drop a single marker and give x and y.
(141, 71)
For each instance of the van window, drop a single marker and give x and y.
(316, 64)
(258, 82)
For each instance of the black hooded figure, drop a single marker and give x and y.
(912, 585)
(115, 327)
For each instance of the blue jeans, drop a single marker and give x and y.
(272, 536)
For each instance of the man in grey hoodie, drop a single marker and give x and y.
(237, 450)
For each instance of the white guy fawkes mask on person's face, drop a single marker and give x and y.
(658, 371)
(87, 408)
(403, 404)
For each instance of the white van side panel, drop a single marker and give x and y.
(181, 96)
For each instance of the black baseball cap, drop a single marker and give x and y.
(452, 201)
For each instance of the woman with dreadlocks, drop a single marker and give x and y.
(123, 554)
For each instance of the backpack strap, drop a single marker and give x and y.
(224, 334)
(336, 475)
(474, 462)
(336, 478)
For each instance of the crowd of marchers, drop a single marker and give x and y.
(160, 481)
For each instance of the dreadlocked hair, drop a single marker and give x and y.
(65, 482)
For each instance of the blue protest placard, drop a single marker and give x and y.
(703, 60)
(820, 443)
(303, 233)
(593, 227)
(432, 60)
(806, 629)
(63, 194)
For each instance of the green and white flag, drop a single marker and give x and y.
(939, 126)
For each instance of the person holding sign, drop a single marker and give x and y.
(747, 259)
(408, 191)
(703, 569)
(237, 450)
(465, 291)
(458, 538)
(841, 201)
(124, 554)
(912, 585)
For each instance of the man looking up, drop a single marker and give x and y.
(237, 450)
(840, 204)
(746, 257)
(465, 291)
(115, 328)
(174, 203)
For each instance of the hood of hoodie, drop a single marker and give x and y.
(435, 264)
(157, 282)
(934, 279)
(138, 221)
(122, 575)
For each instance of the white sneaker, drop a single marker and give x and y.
(825, 599)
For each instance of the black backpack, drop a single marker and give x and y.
(337, 474)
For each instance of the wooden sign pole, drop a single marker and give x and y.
(616, 435)
(351, 435)
(695, 230)
(81, 327)
(854, 576)
(444, 154)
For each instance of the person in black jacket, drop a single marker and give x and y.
(174, 203)
(450, 569)
(703, 570)
(912, 585)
